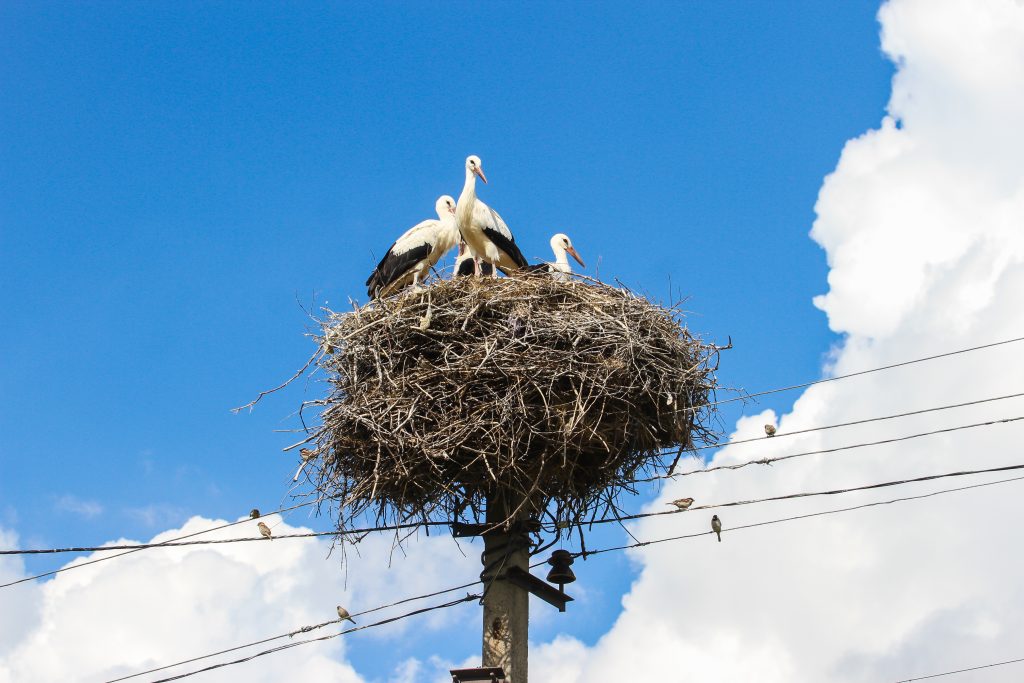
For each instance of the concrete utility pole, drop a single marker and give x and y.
(506, 606)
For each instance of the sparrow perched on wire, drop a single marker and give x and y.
(682, 503)
(254, 513)
(343, 614)
(563, 524)
(264, 530)
(716, 526)
(769, 430)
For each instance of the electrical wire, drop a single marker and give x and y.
(848, 375)
(304, 629)
(781, 458)
(588, 553)
(881, 418)
(620, 518)
(583, 554)
(398, 527)
(172, 540)
(960, 671)
(598, 552)
(244, 539)
(639, 544)
(806, 494)
(279, 648)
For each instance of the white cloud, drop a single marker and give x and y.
(923, 225)
(154, 607)
(88, 509)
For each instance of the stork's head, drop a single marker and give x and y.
(445, 205)
(475, 166)
(561, 243)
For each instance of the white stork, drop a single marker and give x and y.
(465, 264)
(559, 268)
(485, 233)
(411, 257)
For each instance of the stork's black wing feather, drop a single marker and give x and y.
(466, 268)
(507, 245)
(393, 266)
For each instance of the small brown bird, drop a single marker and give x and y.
(682, 503)
(563, 524)
(306, 454)
(343, 614)
(264, 530)
(254, 513)
(769, 430)
(716, 526)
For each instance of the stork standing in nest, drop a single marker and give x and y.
(560, 269)
(411, 257)
(484, 231)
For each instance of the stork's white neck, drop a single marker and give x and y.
(464, 207)
(469, 189)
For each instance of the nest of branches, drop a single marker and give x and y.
(554, 395)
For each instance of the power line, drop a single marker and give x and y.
(279, 648)
(397, 527)
(304, 629)
(808, 494)
(858, 422)
(859, 373)
(587, 553)
(172, 540)
(214, 541)
(960, 671)
(781, 458)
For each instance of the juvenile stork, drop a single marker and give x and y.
(465, 264)
(485, 233)
(411, 257)
(560, 269)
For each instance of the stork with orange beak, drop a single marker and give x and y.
(485, 233)
(560, 269)
(411, 257)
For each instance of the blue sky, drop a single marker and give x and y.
(177, 178)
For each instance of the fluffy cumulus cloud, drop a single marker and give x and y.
(923, 226)
(154, 607)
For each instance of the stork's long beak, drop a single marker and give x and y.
(480, 172)
(451, 210)
(576, 256)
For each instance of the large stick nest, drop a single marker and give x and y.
(559, 393)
